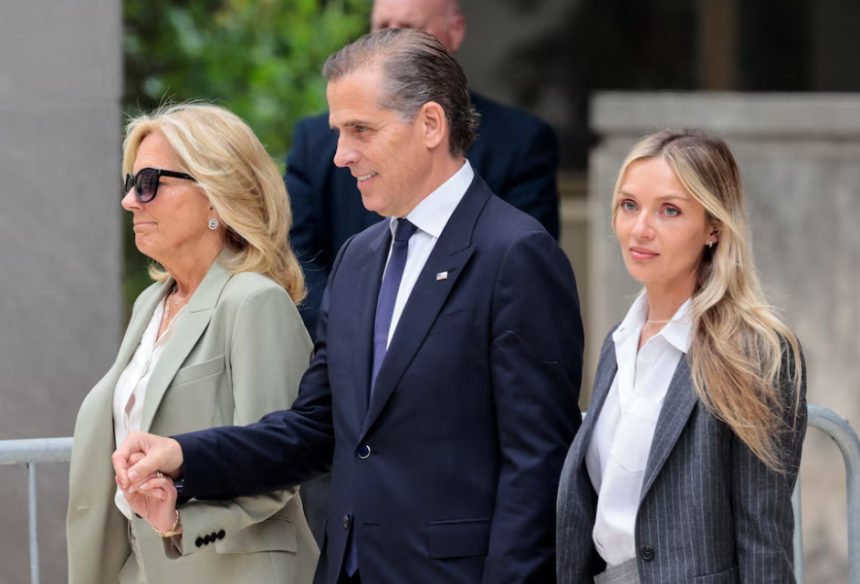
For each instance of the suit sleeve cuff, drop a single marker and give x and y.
(191, 483)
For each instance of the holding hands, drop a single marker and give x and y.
(149, 491)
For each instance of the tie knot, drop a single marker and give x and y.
(404, 230)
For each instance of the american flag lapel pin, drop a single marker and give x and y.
(441, 276)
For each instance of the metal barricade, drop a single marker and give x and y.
(33, 452)
(846, 439)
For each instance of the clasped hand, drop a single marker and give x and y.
(145, 467)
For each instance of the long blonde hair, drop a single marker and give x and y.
(240, 179)
(745, 362)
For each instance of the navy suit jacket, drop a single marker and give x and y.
(450, 473)
(516, 154)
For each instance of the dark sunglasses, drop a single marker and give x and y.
(146, 182)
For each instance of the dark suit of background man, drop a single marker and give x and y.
(516, 154)
(443, 392)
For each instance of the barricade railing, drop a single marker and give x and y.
(31, 453)
(46, 450)
(846, 439)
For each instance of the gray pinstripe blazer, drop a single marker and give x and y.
(710, 511)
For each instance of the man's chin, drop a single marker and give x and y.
(372, 203)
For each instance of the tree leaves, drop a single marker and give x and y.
(260, 58)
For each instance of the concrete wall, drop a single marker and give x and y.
(800, 158)
(60, 244)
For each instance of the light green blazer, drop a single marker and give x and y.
(237, 353)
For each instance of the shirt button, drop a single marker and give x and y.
(647, 553)
(346, 521)
(199, 542)
(222, 534)
(364, 452)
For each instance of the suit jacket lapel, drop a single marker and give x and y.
(451, 253)
(138, 325)
(607, 367)
(368, 281)
(188, 330)
(677, 407)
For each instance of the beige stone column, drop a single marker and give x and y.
(60, 244)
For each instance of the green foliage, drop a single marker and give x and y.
(260, 58)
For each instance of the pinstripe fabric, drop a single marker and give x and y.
(711, 512)
(626, 573)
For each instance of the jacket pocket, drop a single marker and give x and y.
(454, 319)
(199, 371)
(276, 534)
(459, 538)
(730, 576)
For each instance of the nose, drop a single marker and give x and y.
(129, 201)
(346, 155)
(644, 227)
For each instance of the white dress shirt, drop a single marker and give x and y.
(617, 454)
(430, 217)
(130, 390)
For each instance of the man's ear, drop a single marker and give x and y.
(433, 124)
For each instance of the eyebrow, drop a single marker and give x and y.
(663, 198)
(350, 124)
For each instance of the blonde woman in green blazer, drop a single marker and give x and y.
(216, 340)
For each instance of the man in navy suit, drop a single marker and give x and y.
(516, 154)
(443, 391)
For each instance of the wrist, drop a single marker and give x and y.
(176, 459)
(175, 529)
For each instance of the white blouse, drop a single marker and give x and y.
(130, 390)
(617, 454)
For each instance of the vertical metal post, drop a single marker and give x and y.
(33, 516)
(798, 535)
(840, 430)
(852, 468)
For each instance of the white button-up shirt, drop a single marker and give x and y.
(430, 217)
(130, 390)
(617, 454)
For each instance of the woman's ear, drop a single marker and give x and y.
(715, 236)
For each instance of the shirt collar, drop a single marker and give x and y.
(680, 329)
(677, 331)
(432, 214)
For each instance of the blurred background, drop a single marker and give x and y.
(776, 78)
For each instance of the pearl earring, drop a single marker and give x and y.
(213, 224)
(710, 243)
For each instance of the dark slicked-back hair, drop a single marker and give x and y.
(417, 69)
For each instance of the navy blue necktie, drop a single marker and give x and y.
(381, 327)
(388, 294)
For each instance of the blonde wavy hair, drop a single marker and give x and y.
(746, 363)
(239, 178)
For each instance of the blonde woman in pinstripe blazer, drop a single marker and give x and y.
(684, 467)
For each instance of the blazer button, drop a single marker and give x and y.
(221, 534)
(207, 539)
(213, 536)
(364, 452)
(346, 521)
(199, 542)
(647, 553)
